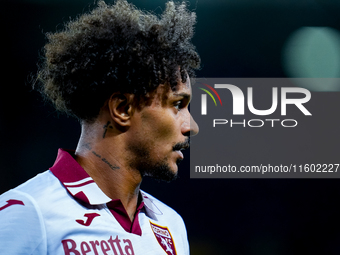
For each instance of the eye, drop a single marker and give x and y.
(179, 105)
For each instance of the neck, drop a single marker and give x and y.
(101, 154)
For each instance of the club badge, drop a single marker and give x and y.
(164, 238)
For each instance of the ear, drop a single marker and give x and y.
(121, 107)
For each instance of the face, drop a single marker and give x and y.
(160, 131)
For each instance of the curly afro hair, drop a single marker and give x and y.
(116, 48)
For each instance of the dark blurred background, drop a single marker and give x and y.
(235, 38)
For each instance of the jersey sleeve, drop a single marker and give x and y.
(185, 238)
(22, 229)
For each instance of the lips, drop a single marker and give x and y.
(180, 154)
(181, 146)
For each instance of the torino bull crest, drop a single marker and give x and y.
(164, 238)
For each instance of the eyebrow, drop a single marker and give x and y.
(183, 94)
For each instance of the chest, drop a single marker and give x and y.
(76, 230)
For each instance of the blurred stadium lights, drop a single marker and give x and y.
(193, 2)
(80, 2)
(313, 52)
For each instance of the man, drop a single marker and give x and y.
(125, 75)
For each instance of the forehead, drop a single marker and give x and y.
(181, 88)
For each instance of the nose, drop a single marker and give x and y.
(193, 127)
(190, 127)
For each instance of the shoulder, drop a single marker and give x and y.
(162, 211)
(35, 185)
(21, 219)
(162, 207)
(28, 195)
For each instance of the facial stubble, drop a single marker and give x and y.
(147, 166)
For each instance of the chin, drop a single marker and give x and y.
(161, 172)
(164, 170)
